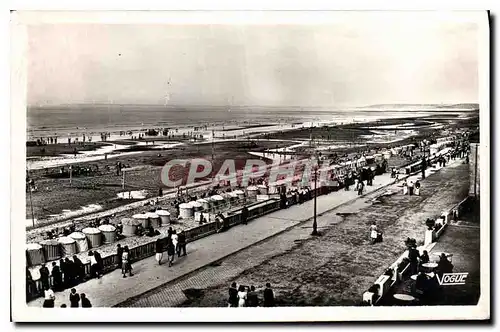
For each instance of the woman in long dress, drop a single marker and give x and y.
(242, 296)
(373, 233)
(405, 188)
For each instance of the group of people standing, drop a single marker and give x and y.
(124, 260)
(410, 188)
(74, 298)
(68, 273)
(244, 296)
(172, 244)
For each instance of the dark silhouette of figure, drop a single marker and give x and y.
(85, 302)
(44, 276)
(74, 298)
(268, 296)
(56, 277)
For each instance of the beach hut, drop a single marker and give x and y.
(81, 241)
(197, 206)
(34, 253)
(130, 226)
(263, 189)
(240, 193)
(68, 245)
(94, 235)
(154, 219)
(51, 249)
(142, 218)
(108, 233)
(204, 203)
(217, 200)
(252, 191)
(186, 211)
(164, 217)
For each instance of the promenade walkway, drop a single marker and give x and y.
(112, 289)
(337, 266)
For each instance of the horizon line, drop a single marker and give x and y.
(476, 104)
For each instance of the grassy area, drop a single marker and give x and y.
(336, 268)
(54, 195)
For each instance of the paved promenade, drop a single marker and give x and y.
(291, 258)
(112, 289)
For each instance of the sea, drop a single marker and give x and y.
(77, 120)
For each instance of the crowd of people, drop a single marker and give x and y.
(67, 274)
(247, 296)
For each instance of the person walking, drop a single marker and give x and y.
(119, 253)
(244, 215)
(424, 167)
(100, 266)
(233, 296)
(268, 296)
(182, 244)
(410, 188)
(360, 188)
(175, 239)
(126, 264)
(85, 301)
(74, 298)
(159, 250)
(170, 253)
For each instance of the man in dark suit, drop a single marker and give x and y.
(56, 277)
(233, 296)
(268, 296)
(244, 215)
(74, 298)
(181, 246)
(119, 253)
(44, 276)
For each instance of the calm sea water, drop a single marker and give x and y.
(43, 122)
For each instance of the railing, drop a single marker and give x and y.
(110, 262)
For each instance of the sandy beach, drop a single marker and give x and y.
(272, 142)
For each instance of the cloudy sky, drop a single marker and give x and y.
(356, 63)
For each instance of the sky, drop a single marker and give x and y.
(361, 62)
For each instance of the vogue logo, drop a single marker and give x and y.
(449, 279)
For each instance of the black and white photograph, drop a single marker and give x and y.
(280, 166)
